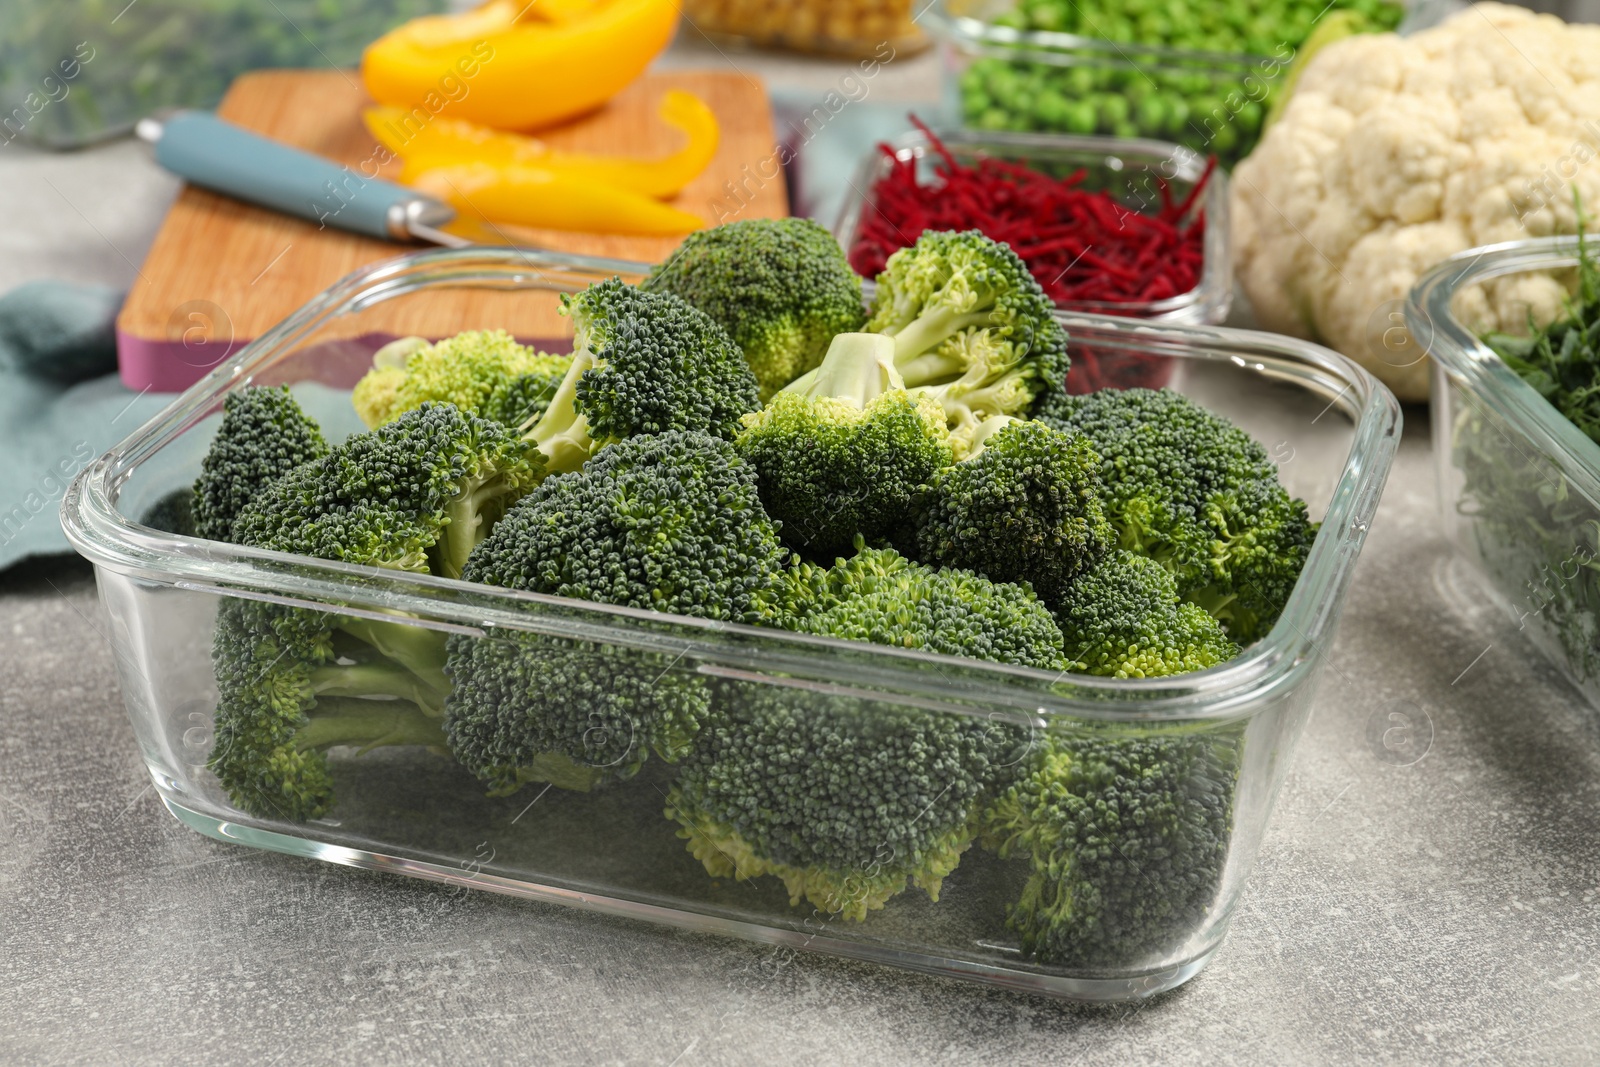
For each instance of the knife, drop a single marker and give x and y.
(207, 151)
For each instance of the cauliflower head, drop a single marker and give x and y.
(1395, 153)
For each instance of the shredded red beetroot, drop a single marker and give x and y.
(1082, 246)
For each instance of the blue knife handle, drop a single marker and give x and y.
(205, 150)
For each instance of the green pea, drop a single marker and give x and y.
(1113, 109)
(1052, 110)
(1151, 116)
(1118, 29)
(1207, 112)
(1177, 116)
(1154, 27)
(1225, 139)
(1249, 117)
(1082, 118)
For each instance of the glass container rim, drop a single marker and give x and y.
(103, 535)
(1054, 46)
(1462, 355)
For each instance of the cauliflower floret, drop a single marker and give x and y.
(1395, 153)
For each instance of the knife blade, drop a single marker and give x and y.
(215, 154)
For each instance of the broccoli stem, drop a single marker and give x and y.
(418, 650)
(916, 343)
(562, 432)
(367, 724)
(968, 432)
(378, 678)
(467, 523)
(461, 532)
(858, 367)
(558, 770)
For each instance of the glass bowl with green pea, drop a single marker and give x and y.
(75, 73)
(1200, 74)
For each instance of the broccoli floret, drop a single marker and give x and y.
(523, 400)
(1123, 619)
(1193, 491)
(294, 683)
(465, 370)
(643, 363)
(882, 597)
(670, 522)
(971, 326)
(375, 395)
(842, 457)
(667, 522)
(846, 800)
(531, 708)
(780, 287)
(849, 800)
(264, 435)
(1126, 834)
(415, 494)
(1025, 507)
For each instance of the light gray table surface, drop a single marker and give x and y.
(1447, 911)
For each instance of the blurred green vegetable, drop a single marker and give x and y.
(1214, 106)
(1235, 27)
(71, 73)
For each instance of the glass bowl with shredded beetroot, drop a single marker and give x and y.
(1108, 225)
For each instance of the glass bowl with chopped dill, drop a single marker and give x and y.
(1516, 425)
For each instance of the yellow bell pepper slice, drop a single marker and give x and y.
(493, 67)
(549, 199)
(448, 142)
(560, 10)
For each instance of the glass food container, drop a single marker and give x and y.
(865, 29)
(1519, 485)
(1128, 170)
(1035, 80)
(73, 73)
(1220, 738)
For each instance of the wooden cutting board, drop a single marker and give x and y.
(221, 272)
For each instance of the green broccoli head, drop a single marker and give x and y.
(1123, 619)
(528, 708)
(263, 436)
(643, 363)
(971, 326)
(1126, 832)
(880, 596)
(1024, 507)
(416, 494)
(670, 522)
(1192, 490)
(849, 800)
(843, 457)
(846, 800)
(464, 370)
(294, 683)
(780, 287)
